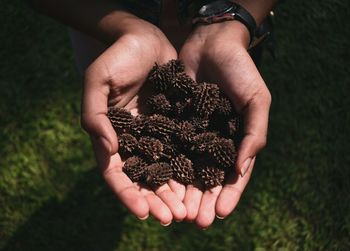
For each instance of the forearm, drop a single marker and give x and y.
(100, 19)
(259, 9)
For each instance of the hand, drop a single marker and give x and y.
(116, 78)
(218, 53)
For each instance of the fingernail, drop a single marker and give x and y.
(220, 217)
(143, 218)
(105, 143)
(165, 224)
(245, 166)
(204, 228)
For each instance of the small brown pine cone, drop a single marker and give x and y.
(161, 127)
(159, 104)
(200, 124)
(151, 148)
(170, 151)
(175, 66)
(182, 169)
(210, 176)
(127, 144)
(205, 99)
(179, 107)
(158, 174)
(184, 83)
(224, 106)
(138, 125)
(223, 151)
(162, 76)
(159, 78)
(202, 142)
(120, 118)
(186, 132)
(134, 167)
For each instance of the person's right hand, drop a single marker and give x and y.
(208, 56)
(115, 78)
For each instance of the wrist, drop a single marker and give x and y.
(233, 32)
(123, 23)
(116, 24)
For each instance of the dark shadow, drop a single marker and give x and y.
(89, 218)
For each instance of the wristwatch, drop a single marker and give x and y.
(223, 10)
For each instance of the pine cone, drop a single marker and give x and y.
(120, 118)
(162, 76)
(159, 78)
(161, 127)
(138, 125)
(183, 169)
(179, 107)
(151, 148)
(223, 151)
(186, 132)
(184, 84)
(205, 99)
(158, 174)
(159, 104)
(175, 66)
(202, 142)
(134, 167)
(127, 144)
(224, 106)
(170, 151)
(210, 176)
(200, 124)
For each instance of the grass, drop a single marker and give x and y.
(51, 194)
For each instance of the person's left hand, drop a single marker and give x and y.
(117, 78)
(217, 53)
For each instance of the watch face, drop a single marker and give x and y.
(215, 8)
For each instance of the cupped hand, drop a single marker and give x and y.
(218, 53)
(117, 78)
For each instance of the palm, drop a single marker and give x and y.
(117, 78)
(214, 60)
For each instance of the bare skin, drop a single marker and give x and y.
(216, 53)
(115, 79)
(209, 57)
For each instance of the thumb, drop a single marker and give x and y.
(255, 131)
(94, 118)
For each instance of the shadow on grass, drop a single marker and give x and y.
(89, 218)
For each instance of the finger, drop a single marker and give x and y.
(192, 201)
(206, 213)
(157, 207)
(94, 109)
(175, 205)
(256, 117)
(124, 188)
(231, 193)
(177, 188)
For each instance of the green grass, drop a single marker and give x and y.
(53, 198)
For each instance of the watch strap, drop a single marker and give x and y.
(242, 15)
(237, 12)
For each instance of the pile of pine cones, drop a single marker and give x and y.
(190, 133)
